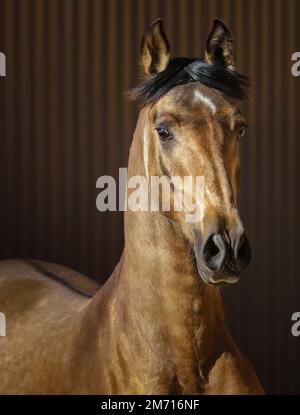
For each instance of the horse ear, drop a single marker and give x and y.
(220, 46)
(155, 49)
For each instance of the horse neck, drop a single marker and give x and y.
(159, 278)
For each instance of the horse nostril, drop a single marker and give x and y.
(214, 252)
(243, 252)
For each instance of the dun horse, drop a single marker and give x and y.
(157, 325)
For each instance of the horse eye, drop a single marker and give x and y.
(242, 131)
(164, 134)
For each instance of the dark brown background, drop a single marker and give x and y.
(64, 121)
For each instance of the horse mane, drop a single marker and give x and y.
(181, 71)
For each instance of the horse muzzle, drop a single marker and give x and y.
(221, 258)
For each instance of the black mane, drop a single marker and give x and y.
(182, 71)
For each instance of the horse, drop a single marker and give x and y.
(157, 325)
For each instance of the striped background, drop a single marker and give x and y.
(64, 121)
